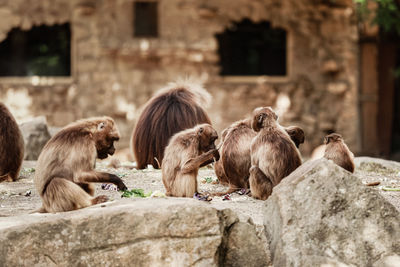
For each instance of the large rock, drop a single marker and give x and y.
(154, 232)
(322, 214)
(36, 135)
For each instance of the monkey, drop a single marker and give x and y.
(273, 154)
(337, 151)
(65, 167)
(177, 107)
(11, 145)
(186, 152)
(296, 134)
(233, 167)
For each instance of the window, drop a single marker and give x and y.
(249, 48)
(42, 51)
(145, 19)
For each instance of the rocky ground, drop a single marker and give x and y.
(320, 214)
(21, 197)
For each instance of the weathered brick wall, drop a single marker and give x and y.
(115, 74)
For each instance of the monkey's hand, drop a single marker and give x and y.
(215, 154)
(118, 182)
(121, 186)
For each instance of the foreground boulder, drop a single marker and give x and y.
(153, 232)
(322, 214)
(36, 135)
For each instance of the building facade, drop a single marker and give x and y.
(307, 65)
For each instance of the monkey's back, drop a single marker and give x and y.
(68, 152)
(235, 153)
(275, 154)
(167, 113)
(339, 153)
(179, 149)
(11, 143)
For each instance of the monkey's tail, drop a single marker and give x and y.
(230, 190)
(40, 210)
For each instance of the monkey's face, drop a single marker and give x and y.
(296, 134)
(207, 136)
(262, 117)
(105, 136)
(334, 137)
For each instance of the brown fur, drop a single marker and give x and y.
(233, 167)
(296, 134)
(65, 168)
(235, 162)
(337, 151)
(11, 146)
(173, 109)
(273, 154)
(186, 152)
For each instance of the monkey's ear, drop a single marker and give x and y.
(201, 130)
(101, 126)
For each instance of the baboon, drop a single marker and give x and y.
(233, 167)
(337, 151)
(11, 146)
(65, 168)
(177, 107)
(186, 152)
(273, 154)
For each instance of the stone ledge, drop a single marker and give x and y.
(149, 232)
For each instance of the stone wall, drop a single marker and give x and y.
(114, 73)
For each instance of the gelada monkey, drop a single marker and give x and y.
(233, 167)
(11, 146)
(177, 107)
(65, 168)
(273, 154)
(186, 152)
(337, 151)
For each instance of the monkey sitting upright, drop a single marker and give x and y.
(186, 152)
(273, 154)
(65, 168)
(11, 146)
(337, 151)
(233, 167)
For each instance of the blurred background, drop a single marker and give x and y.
(324, 65)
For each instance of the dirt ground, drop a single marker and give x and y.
(21, 197)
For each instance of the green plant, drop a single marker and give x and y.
(387, 14)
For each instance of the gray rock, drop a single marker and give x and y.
(244, 248)
(36, 135)
(368, 164)
(322, 214)
(151, 232)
